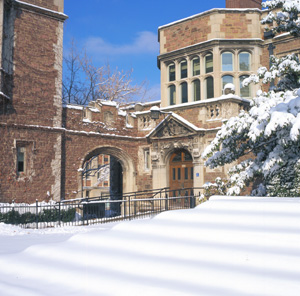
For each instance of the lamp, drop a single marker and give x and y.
(155, 112)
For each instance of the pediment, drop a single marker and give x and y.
(172, 127)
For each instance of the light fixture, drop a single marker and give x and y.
(155, 112)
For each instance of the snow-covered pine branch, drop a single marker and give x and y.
(267, 137)
(285, 20)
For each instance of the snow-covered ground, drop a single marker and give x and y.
(226, 246)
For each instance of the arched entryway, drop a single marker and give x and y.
(102, 176)
(181, 172)
(108, 168)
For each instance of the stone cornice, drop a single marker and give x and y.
(40, 10)
(208, 45)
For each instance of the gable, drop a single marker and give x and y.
(172, 127)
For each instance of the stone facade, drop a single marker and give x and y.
(45, 147)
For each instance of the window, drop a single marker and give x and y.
(186, 173)
(244, 90)
(244, 61)
(172, 94)
(226, 79)
(196, 90)
(184, 93)
(209, 63)
(209, 81)
(227, 61)
(147, 159)
(179, 173)
(196, 66)
(183, 69)
(21, 160)
(172, 75)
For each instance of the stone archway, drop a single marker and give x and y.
(116, 163)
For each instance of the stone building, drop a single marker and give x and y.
(47, 149)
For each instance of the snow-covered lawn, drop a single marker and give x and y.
(226, 246)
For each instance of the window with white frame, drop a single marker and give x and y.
(172, 94)
(196, 66)
(209, 63)
(184, 92)
(196, 90)
(226, 79)
(227, 61)
(172, 74)
(209, 84)
(183, 69)
(244, 61)
(244, 90)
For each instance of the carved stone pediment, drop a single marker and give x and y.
(170, 128)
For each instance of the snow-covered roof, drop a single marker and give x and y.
(109, 103)
(73, 106)
(93, 109)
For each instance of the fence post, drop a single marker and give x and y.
(37, 213)
(87, 216)
(129, 206)
(59, 214)
(125, 205)
(166, 205)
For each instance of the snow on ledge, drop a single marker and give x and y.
(206, 12)
(76, 107)
(41, 8)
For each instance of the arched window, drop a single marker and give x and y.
(184, 92)
(209, 63)
(196, 66)
(172, 94)
(196, 90)
(172, 75)
(226, 79)
(244, 61)
(227, 61)
(209, 83)
(183, 69)
(244, 90)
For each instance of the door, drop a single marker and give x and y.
(181, 173)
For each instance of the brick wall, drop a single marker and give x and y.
(236, 25)
(33, 117)
(79, 146)
(187, 33)
(233, 24)
(40, 157)
(243, 4)
(49, 4)
(34, 78)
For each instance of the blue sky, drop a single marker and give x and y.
(124, 32)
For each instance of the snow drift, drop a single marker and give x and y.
(226, 246)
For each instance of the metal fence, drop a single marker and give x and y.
(98, 209)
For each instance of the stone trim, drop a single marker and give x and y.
(40, 10)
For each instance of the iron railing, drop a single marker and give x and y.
(135, 205)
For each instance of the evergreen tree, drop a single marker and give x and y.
(268, 135)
